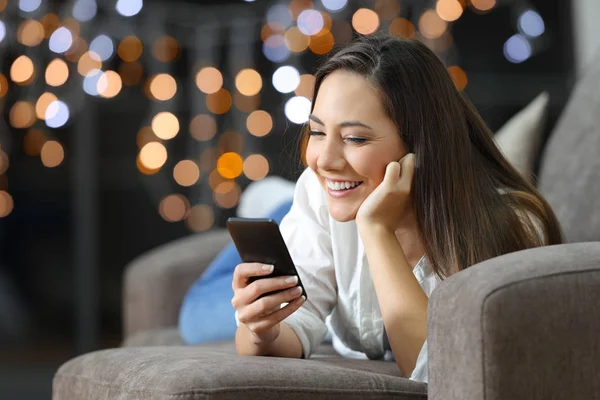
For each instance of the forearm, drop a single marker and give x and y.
(287, 343)
(401, 299)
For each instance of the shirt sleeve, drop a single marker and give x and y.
(420, 371)
(305, 230)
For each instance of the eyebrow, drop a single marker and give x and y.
(344, 124)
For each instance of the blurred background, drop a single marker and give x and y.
(127, 124)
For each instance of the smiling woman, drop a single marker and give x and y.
(404, 186)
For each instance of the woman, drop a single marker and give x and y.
(404, 187)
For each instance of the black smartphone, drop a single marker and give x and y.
(259, 240)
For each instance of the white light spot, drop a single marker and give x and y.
(61, 40)
(531, 24)
(129, 8)
(280, 13)
(29, 5)
(286, 79)
(310, 22)
(334, 5)
(275, 49)
(90, 82)
(517, 49)
(57, 114)
(297, 109)
(84, 10)
(103, 47)
(2, 31)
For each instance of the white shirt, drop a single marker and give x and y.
(332, 264)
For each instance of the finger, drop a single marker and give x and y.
(408, 168)
(278, 316)
(259, 287)
(269, 304)
(246, 270)
(392, 172)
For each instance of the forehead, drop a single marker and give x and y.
(345, 95)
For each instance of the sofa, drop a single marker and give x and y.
(525, 325)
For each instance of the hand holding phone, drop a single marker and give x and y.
(266, 279)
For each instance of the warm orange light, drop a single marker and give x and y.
(200, 218)
(50, 22)
(209, 80)
(248, 82)
(322, 43)
(78, 49)
(256, 167)
(144, 136)
(143, 169)
(72, 25)
(387, 9)
(402, 27)
(230, 198)
(165, 125)
(165, 49)
(365, 21)
(270, 29)
(174, 207)
(22, 70)
(246, 103)
(163, 87)
(6, 203)
(57, 72)
(327, 23)
(219, 102)
(22, 114)
(230, 165)
(230, 141)
(42, 104)
(3, 85)
(483, 5)
(131, 73)
(431, 25)
(4, 163)
(259, 123)
(130, 48)
(33, 141)
(449, 10)
(297, 6)
(88, 62)
(30, 33)
(109, 84)
(295, 40)
(458, 76)
(153, 155)
(52, 154)
(186, 173)
(203, 127)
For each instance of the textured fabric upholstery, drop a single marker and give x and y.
(521, 326)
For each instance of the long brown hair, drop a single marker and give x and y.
(470, 203)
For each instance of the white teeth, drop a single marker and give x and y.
(341, 185)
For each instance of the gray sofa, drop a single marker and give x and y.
(525, 325)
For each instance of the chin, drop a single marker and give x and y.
(342, 214)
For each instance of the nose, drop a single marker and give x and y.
(331, 155)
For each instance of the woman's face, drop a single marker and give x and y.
(351, 142)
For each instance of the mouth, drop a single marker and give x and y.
(341, 188)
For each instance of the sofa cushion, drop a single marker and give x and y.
(570, 166)
(217, 372)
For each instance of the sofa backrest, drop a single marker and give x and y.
(569, 175)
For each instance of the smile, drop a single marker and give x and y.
(341, 186)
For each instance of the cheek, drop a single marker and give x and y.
(368, 164)
(311, 155)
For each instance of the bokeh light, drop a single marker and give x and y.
(322, 43)
(200, 218)
(163, 87)
(227, 199)
(286, 79)
(57, 114)
(90, 82)
(310, 22)
(483, 5)
(42, 104)
(165, 49)
(3, 85)
(50, 22)
(209, 80)
(2, 31)
(219, 102)
(57, 72)
(103, 46)
(29, 5)
(22, 70)
(279, 14)
(165, 125)
(248, 82)
(203, 127)
(85, 10)
(87, 63)
(334, 5)
(218, 183)
(230, 165)
(130, 48)
(131, 73)
(153, 155)
(458, 76)
(449, 10)
(295, 40)
(402, 27)
(186, 173)
(297, 109)
(52, 154)
(387, 10)
(246, 104)
(256, 167)
(4, 163)
(60, 40)
(275, 48)
(517, 49)
(306, 86)
(259, 123)
(531, 24)
(174, 207)
(144, 136)
(22, 114)
(365, 21)
(431, 25)
(33, 141)
(6, 203)
(109, 84)
(129, 8)
(270, 29)
(78, 49)
(30, 33)
(230, 141)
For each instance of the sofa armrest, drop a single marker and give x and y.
(521, 326)
(157, 281)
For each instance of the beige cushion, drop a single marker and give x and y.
(519, 139)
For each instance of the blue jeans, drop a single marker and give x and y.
(206, 314)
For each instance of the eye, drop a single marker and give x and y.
(355, 140)
(315, 133)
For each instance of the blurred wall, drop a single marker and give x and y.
(586, 26)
